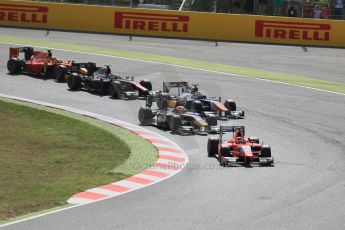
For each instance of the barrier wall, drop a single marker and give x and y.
(174, 24)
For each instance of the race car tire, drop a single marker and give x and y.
(175, 123)
(230, 105)
(197, 106)
(161, 100)
(254, 140)
(189, 104)
(145, 116)
(115, 89)
(212, 146)
(60, 73)
(104, 87)
(146, 83)
(49, 71)
(225, 151)
(211, 120)
(14, 66)
(266, 151)
(74, 81)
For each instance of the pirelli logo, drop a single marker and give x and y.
(292, 30)
(23, 13)
(151, 22)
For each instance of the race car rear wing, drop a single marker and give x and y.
(228, 128)
(167, 85)
(15, 51)
(90, 66)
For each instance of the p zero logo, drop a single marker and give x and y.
(23, 13)
(151, 22)
(292, 30)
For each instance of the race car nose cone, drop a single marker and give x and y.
(248, 154)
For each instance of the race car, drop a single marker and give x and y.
(238, 150)
(101, 79)
(190, 97)
(176, 118)
(37, 63)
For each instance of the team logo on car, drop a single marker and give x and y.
(23, 13)
(292, 30)
(151, 22)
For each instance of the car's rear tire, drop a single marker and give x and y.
(211, 120)
(161, 100)
(212, 146)
(74, 81)
(175, 123)
(197, 106)
(225, 151)
(265, 151)
(146, 83)
(104, 87)
(230, 105)
(60, 72)
(115, 89)
(145, 116)
(14, 66)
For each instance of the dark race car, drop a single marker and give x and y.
(100, 79)
(190, 97)
(37, 63)
(176, 118)
(238, 149)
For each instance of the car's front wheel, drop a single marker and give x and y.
(60, 72)
(74, 81)
(14, 66)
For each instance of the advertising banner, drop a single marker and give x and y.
(173, 24)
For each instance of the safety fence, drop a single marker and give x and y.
(319, 9)
(173, 24)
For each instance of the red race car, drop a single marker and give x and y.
(37, 62)
(238, 150)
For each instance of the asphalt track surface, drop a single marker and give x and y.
(305, 128)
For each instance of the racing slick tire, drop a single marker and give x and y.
(265, 151)
(175, 123)
(162, 100)
(115, 89)
(14, 66)
(104, 87)
(146, 83)
(197, 106)
(211, 120)
(145, 116)
(230, 105)
(74, 81)
(60, 73)
(225, 150)
(212, 146)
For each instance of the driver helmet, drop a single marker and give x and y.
(198, 95)
(180, 109)
(239, 140)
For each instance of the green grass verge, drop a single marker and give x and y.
(48, 155)
(228, 69)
